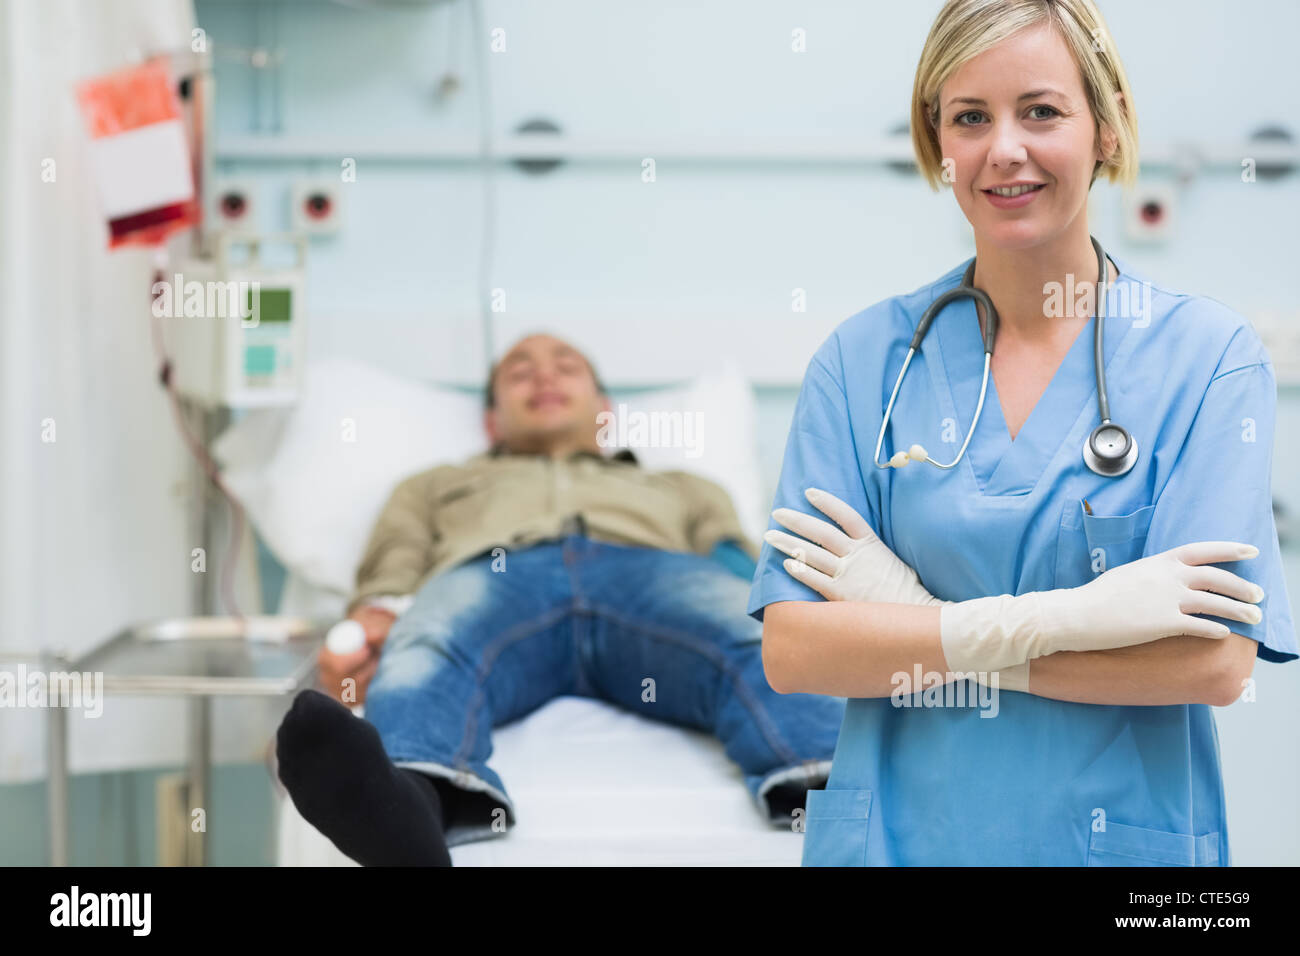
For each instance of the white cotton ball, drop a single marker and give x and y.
(346, 637)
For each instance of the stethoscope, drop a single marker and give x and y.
(1110, 450)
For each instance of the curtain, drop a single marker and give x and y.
(96, 525)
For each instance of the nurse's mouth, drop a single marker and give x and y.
(1026, 193)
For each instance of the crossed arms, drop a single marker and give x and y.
(878, 621)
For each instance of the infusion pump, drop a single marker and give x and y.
(234, 323)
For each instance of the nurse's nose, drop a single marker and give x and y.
(1008, 147)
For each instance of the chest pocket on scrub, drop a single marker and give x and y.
(1092, 543)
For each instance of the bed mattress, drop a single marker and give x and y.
(597, 786)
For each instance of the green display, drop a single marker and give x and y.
(276, 304)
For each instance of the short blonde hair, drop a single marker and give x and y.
(966, 28)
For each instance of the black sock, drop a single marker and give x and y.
(342, 782)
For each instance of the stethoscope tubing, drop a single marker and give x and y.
(967, 290)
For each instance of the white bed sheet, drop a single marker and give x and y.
(593, 785)
(597, 786)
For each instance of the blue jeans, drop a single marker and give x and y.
(660, 633)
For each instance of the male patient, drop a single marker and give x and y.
(540, 568)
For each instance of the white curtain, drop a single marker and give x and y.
(95, 527)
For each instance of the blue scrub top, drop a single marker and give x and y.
(1044, 782)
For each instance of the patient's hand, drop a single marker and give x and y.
(360, 665)
(851, 564)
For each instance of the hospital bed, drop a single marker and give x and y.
(593, 785)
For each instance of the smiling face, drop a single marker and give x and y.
(545, 398)
(1018, 113)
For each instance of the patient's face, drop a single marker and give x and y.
(545, 396)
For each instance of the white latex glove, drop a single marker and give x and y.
(843, 565)
(1144, 600)
(853, 564)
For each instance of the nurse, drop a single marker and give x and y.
(1110, 613)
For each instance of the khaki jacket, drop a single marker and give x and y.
(447, 515)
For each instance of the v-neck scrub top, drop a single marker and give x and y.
(1044, 782)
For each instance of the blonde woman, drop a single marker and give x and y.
(1072, 529)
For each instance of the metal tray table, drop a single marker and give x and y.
(212, 656)
(199, 658)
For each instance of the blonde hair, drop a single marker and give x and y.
(966, 28)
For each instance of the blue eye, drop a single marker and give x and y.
(1053, 110)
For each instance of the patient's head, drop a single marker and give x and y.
(543, 397)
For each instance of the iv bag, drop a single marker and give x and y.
(139, 154)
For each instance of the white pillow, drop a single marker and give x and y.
(724, 436)
(313, 478)
(314, 495)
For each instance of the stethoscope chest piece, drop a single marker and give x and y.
(1110, 450)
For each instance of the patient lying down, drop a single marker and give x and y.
(538, 569)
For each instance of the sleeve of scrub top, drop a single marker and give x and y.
(1220, 490)
(819, 453)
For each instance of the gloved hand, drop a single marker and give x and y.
(844, 565)
(855, 565)
(1144, 600)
